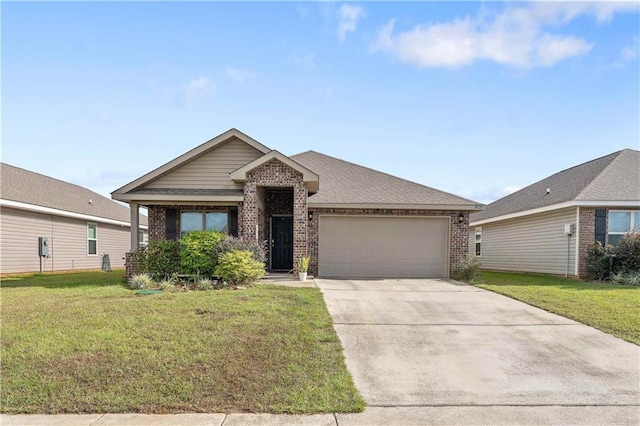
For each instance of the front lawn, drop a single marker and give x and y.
(82, 343)
(611, 308)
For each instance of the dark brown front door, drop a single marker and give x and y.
(282, 243)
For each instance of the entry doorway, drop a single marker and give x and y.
(281, 250)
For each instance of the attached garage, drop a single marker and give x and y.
(383, 247)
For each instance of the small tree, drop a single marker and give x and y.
(467, 270)
(160, 259)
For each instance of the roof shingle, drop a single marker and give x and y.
(342, 182)
(614, 177)
(33, 188)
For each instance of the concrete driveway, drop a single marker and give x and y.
(456, 354)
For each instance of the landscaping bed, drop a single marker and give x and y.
(83, 343)
(614, 309)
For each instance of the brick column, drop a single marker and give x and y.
(586, 236)
(250, 212)
(300, 211)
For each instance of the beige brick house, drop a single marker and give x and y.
(548, 226)
(352, 221)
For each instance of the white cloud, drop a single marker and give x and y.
(196, 88)
(517, 36)
(629, 52)
(240, 75)
(348, 17)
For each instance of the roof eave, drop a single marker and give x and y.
(141, 198)
(397, 206)
(559, 206)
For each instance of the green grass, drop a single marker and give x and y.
(82, 343)
(611, 308)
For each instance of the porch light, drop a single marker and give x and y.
(310, 215)
(461, 218)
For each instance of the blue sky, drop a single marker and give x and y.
(477, 99)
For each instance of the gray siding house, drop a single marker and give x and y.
(350, 220)
(548, 226)
(79, 225)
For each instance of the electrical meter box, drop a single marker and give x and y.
(569, 229)
(43, 246)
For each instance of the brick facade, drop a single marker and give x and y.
(256, 210)
(458, 232)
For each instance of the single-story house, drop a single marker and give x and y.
(350, 220)
(548, 226)
(74, 226)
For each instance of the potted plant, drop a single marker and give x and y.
(303, 267)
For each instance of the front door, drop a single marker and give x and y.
(282, 243)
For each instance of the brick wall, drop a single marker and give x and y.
(458, 233)
(274, 174)
(586, 236)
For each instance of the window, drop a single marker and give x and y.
(92, 238)
(203, 221)
(478, 241)
(622, 222)
(142, 240)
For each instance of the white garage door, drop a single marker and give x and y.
(383, 247)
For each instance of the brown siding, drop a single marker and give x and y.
(19, 232)
(211, 170)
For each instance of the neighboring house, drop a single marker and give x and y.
(548, 226)
(352, 221)
(79, 225)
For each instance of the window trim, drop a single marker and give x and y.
(478, 231)
(632, 224)
(89, 225)
(204, 219)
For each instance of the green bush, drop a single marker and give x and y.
(627, 253)
(139, 282)
(599, 262)
(258, 250)
(168, 285)
(160, 259)
(239, 267)
(200, 251)
(467, 270)
(204, 284)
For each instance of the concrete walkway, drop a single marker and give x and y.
(433, 352)
(443, 352)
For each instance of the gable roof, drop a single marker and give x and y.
(28, 190)
(309, 177)
(610, 180)
(189, 156)
(344, 184)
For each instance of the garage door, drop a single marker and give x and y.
(383, 247)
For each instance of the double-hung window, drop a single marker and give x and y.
(92, 238)
(622, 222)
(478, 241)
(203, 221)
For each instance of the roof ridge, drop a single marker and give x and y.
(614, 156)
(388, 174)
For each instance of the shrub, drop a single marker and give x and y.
(200, 251)
(627, 253)
(204, 284)
(303, 264)
(626, 278)
(467, 270)
(168, 284)
(257, 249)
(239, 267)
(139, 282)
(161, 259)
(599, 262)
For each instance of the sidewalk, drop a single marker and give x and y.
(372, 416)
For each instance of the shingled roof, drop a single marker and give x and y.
(343, 183)
(612, 178)
(24, 186)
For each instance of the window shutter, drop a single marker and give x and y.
(601, 225)
(171, 222)
(233, 222)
